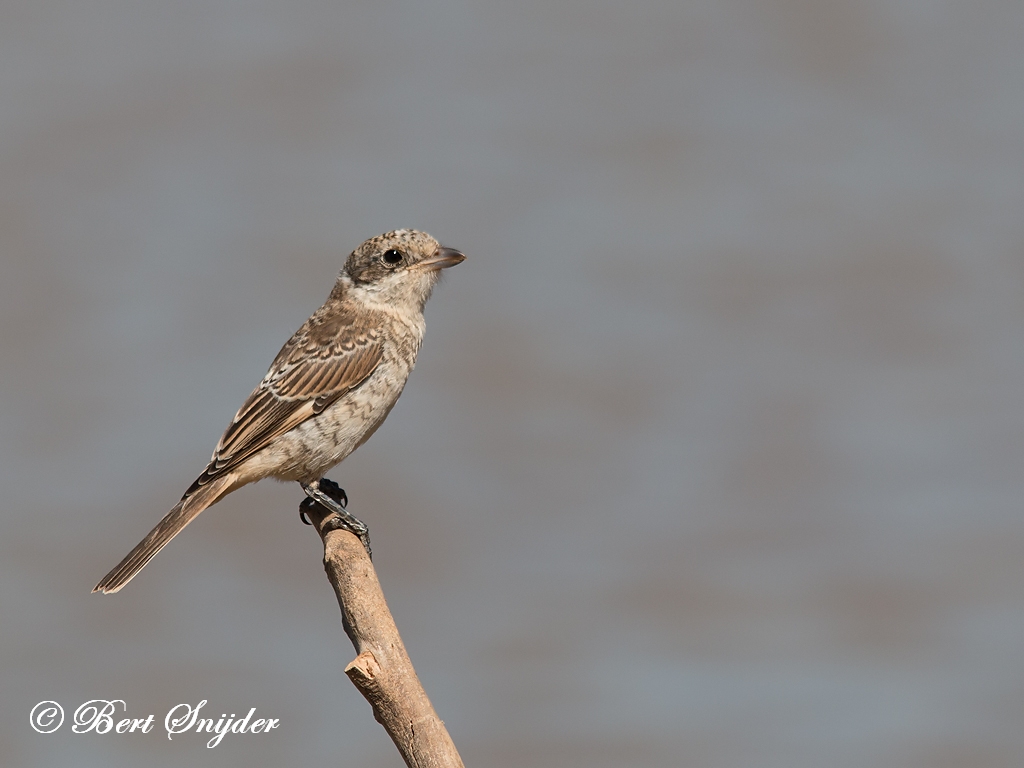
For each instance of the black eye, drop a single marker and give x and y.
(392, 257)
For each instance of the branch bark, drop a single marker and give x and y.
(381, 670)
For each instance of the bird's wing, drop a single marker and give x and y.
(318, 365)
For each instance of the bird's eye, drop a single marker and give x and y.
(392, 257)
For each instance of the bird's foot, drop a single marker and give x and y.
(329, 495)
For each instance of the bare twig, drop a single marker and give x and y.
(382, 670)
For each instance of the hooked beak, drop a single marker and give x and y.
(445, 257)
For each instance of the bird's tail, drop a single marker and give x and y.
(182, 514)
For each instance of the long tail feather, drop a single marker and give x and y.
(174, 521)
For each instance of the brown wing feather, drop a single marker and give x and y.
(318, 365)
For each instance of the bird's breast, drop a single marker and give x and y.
(321, 442)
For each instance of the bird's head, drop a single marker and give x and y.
(398, 268)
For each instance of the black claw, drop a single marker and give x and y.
(334, 490)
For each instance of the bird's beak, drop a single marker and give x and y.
(445, 257)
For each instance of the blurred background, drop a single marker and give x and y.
(713, 453)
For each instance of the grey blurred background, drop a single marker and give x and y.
(713, 453)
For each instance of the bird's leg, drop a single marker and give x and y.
(329, 495)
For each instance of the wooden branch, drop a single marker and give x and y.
(382, 670)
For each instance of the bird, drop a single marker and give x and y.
(328, 390)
